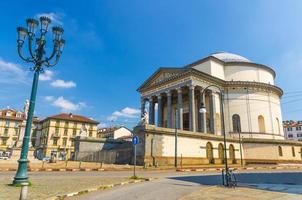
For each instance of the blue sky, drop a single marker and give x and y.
(113, 46)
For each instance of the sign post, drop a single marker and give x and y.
(135, 141)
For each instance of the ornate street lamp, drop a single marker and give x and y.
(38, 58)
(202, 109)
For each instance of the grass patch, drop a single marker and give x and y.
(136, 177)
(19, 184)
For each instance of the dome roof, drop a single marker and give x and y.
(229, 57)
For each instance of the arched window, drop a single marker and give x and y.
(278, 126)
(261, 124)
(293, 152)
(280, 151)
(232, 153)
(221, 152)
(210, 156)
(236, 123)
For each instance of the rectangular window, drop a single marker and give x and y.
(90, 133)
(298, 128)
(4, 140)
(55, 142)
(74, 132)
(75, 125)
(17, 124)
(66, 124)
(16, 131)
(57, 131)
(7, 123)
(5, 131)
(65, 131)
(299, 135)
(72, 143)
(64, 142)
(290, 136)
(57, 123)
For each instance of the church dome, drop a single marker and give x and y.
(229, 57)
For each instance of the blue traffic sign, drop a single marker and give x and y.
(135, 140)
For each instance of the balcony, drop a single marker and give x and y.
(3, 135)
(56, 135)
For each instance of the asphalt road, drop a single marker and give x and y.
(176, 185)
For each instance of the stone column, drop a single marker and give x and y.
(151, 111)
(142, 107)
(169, 109)
(159, 111)
(179, 108)
(192, 124)
(212, 113)
(202, 116)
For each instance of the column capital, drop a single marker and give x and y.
(159, 96)
(179, 90)
(169, 93)
(150, 98)
(192, 87)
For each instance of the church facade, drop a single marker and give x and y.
(171, 99)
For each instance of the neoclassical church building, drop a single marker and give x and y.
(172, 98)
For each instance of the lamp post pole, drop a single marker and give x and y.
(176, 135)
(38, 58)
(203, 110)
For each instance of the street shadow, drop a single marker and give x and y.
(288, 182)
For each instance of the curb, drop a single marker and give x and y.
(234, 168)
(101, 187)
(210, 169)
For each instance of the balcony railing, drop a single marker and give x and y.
(56, 135)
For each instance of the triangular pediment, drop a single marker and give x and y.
(162, 75)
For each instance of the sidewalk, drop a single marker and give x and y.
(238, 193)
(45, 186)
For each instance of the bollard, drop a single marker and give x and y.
(24, 190)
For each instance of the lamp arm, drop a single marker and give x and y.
(55, 49)
(48, 64)
(30, 41)
(20, 53)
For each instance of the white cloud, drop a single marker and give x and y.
(49, 98)
(65, 105)
(46, 76)
(63, 84)
(11, 73)
(56, 18)
(102, 125)
(125, 113)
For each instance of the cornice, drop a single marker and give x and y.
(214, 80)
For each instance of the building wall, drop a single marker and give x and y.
(9, 133)
(122, 132)
(212, 68)
(293, 132)
(249, 105)
(57, 135)
(269, 152)
(157, 146)
(248, 73)
(12, 132)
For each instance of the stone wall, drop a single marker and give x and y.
(103, 150)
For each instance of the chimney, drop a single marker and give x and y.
(70, 115)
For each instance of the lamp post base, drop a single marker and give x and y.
(21, 176)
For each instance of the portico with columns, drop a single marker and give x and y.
(181, 104)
